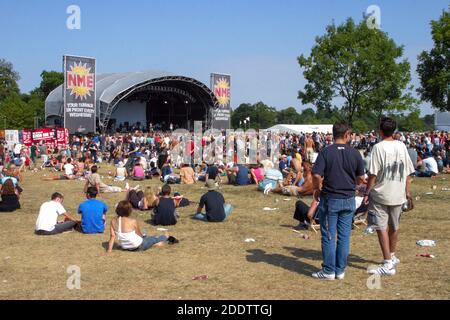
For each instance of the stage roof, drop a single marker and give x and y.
(113, 87)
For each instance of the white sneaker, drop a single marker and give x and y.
(323, 276)
(387, 269)
(267, 188)
(395, 261)
(340, 276)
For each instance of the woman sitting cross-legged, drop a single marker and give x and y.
(128, 234)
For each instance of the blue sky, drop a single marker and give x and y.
(257, 42)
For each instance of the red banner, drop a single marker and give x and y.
(62, 136)
(48, 136)
(27, 137)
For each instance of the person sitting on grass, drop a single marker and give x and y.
(120, 173)
(257, 174)
(94, 180)
(143, 200)
(302, 184)
(164, 212)
(167, 174)
(187, 174)
(138, 173)
(238, 175)
(128, 233)
(9, 174)
(216, 208)
(68, 174)
(272, 178)
(10, 197)
(213, 173)
(93, 213)
(47, 221)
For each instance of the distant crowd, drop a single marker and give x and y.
(340, 165)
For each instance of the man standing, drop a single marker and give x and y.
(337, 170)
(387, 190)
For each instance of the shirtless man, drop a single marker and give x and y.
(302, 186)
(309, 147)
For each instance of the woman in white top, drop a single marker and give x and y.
(121, 172)
(128, 234)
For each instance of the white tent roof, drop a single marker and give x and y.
(303, 128)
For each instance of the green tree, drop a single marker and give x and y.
(360, 126)
(18, 114)
(261, 115)
(8, 79)
(49, 81)
(359, 66)
(288, 116)
(429, 122)
(434, 66)
(411, 122)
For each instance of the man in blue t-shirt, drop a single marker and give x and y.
(92, 213)
(337, 171)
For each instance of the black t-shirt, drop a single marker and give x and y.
(214, 202)
(212, 172)
(165, 214)
(10, 202)
(339, 165)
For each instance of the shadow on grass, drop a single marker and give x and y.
(317, 255)
(278, 260)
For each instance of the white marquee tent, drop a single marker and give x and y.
(303, 128)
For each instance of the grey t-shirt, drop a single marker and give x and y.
(391, 164)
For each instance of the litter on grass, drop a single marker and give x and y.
(269, 209)
(426, 243)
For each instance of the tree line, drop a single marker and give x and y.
(357, 74)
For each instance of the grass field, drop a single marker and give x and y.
(277, 265)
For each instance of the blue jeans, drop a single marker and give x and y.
(148, 242)
(335, 217)
(426, 174)
(227, 208)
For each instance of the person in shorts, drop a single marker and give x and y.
(387, 190)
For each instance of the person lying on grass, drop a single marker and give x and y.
(128, 233)
(94, 180)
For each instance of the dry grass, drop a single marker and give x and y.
(277, 266)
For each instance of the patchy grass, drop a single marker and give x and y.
(276, 266)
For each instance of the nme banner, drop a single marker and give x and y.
(221, 87)
(62, 136)
(79, 94)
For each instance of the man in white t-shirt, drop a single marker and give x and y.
(431, 167)
(69, 173)
(47, 221)
(387, 190)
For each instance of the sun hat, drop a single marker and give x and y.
(211, 184)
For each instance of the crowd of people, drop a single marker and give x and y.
(333, 168)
